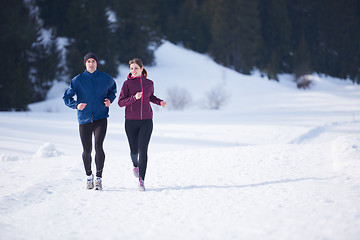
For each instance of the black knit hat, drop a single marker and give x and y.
(90, 55)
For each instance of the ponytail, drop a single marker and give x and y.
(140, 64)
(144, 72)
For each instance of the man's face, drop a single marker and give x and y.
(91, 65)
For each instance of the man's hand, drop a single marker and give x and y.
(81, 106)
(107, 102)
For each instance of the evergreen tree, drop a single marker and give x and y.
(304, 35)
(295, 36)
(236, 34)
(18, 33)
(168, 12)
(192, 27)
(331, 32)
(31, 62)
(135, 32)
(89, 31)
(44, 62)
(54, 15)
(301, 59)
(276, 34)
(86, 25)
(338, 53)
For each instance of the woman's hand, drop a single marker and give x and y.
(163, 103)
(81, 106)
(107, 102)
(138, 95)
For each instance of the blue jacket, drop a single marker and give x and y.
(92, 89)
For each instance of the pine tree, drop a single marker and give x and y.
(135, 32)
(44, 62)
(339, 33)
(54, 15)
(301, 59)
(89, 31)
(236, 34)
(276, 34)
(18, 33)
(331, 32)
(193, 26)
(168, 13)
(86, 25)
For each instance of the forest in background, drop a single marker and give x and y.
(44, 41)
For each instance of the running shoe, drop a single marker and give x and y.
(90, 182)
(136, 172)
(141, 185)
(98, 183)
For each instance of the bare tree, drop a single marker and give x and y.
(178, 98)
(216, 97)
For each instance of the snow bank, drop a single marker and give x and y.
(48, 150)
(9, 157)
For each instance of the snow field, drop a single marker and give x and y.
(275, 163)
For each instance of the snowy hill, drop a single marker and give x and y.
(275, 162)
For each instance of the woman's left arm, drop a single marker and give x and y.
(155, 99)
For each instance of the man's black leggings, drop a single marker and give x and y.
(98, 128)
(139, 133)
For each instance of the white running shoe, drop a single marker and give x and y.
(98, 183)
(141, 185)
(90, 182)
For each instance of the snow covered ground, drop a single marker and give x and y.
(274, 163)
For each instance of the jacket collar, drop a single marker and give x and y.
(90, 74)
(130, 77)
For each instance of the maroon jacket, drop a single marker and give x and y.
(138, 109)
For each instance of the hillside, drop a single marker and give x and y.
(274, 163)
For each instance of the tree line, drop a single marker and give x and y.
(42, 41)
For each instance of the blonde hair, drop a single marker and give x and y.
(140, 64)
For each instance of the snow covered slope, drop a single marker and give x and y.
(274, 163)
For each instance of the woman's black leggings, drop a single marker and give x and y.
(139, 133)
(98, 128)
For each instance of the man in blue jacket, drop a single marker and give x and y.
(94, 91)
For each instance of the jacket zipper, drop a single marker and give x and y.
(142, 99)
(92, 101)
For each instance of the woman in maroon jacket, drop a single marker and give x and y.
(136, 94)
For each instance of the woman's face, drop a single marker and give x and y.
(91, 65)
(135, 70)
